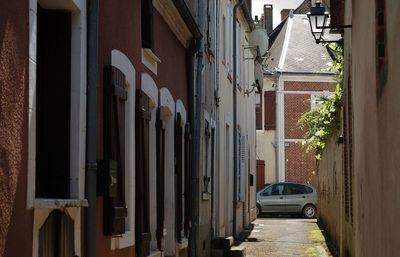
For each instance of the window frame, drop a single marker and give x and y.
(260, 116)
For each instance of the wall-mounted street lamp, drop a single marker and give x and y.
(319, 18)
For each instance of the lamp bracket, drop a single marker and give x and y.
(333, 27)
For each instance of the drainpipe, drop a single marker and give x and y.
(91, 136)
(276, 145)
(194, 47)
(235, 139)
(214, 225)
(196, 111)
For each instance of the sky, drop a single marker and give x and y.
(277, 5)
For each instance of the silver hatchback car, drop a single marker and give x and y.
(288, 198)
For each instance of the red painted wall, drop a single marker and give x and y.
(120, 28)
(16, 222)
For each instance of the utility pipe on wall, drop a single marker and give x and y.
(235, 143)
(91, 136)
(194, 233)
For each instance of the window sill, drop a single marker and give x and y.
(183, 243)
(47, 203)
(150, 60)
(206, 196)
(126, 240)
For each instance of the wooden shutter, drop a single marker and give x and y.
(258, 111)
(142, 209)
(269, 110)
(178, 175)
(160, 148)
(113, 166)
(188, 206)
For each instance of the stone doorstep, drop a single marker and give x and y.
(217, 253)
(237, 251)
(155, 254)
(222, 243)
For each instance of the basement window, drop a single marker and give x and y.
(56, 236)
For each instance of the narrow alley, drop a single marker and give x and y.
(284, 236)
(176, 128)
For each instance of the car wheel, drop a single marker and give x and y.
(258, 210)
(309, 211)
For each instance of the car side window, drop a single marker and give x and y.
(308, 190)
(267, 191)
(295, 189)
(277, 189)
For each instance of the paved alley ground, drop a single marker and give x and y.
(284, 237)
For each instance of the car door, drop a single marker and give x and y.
(272, 199)
(295, 197)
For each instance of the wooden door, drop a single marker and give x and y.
(260, 174)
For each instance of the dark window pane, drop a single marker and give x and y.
(308, 190)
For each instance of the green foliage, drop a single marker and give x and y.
(322, 122)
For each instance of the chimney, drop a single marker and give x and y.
(284, 13)
(268, 17)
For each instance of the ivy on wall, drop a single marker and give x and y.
(320, 123)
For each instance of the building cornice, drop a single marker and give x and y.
(183, 26)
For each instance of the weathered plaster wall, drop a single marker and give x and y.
(266, 139)
(329, 188)
(14, 218)
(376, 129)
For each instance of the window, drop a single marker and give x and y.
(246, 72)
(53, 89)
(147, 24)
(269, 110)
(223, 38)
(277, 189)
(274, 190)
(57, 131)
(229, 37)
(56, 236)
(238, 53)
(258, 110)
(308, 190)
(294, 189)
(381, 47)
(206, 156)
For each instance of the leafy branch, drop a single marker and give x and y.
(323, 121)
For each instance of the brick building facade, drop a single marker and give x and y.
(300, 166)
(298, 73)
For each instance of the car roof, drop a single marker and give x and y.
(296, 183)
